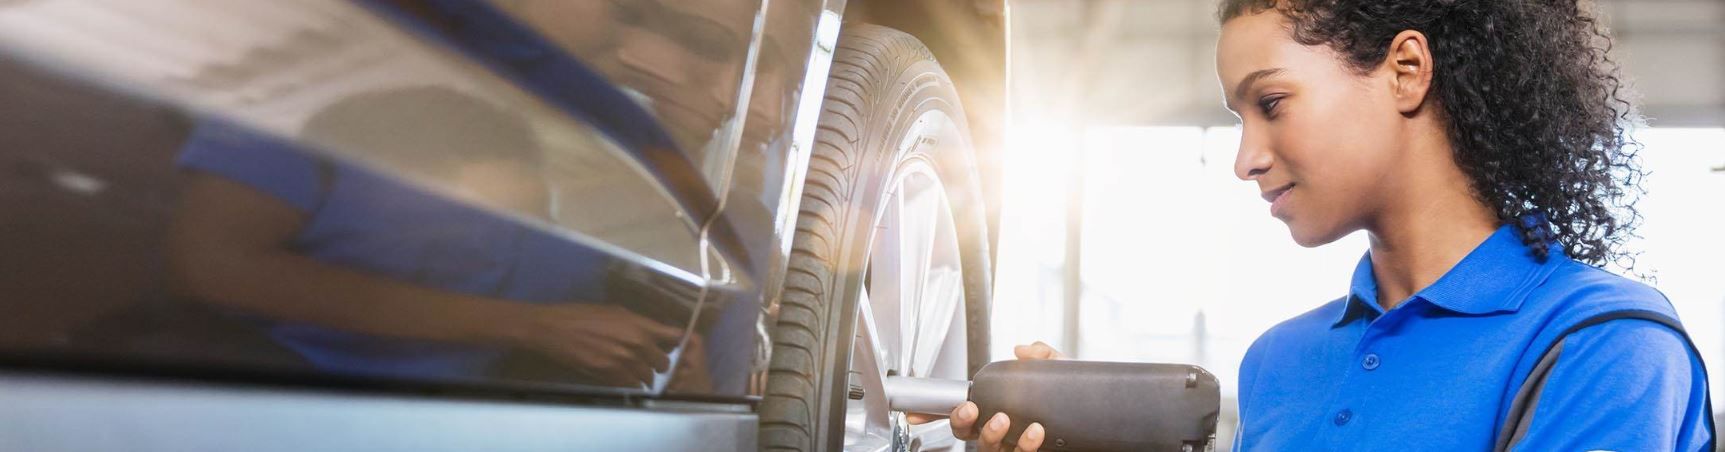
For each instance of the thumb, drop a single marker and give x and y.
(1038, 350)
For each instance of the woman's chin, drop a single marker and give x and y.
(1312, 237)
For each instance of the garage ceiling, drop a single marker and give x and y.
(1151, 62)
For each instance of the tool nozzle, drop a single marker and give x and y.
(925, 395)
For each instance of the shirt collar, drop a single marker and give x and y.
(1495, 277)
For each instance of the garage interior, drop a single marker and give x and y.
(1125, 235)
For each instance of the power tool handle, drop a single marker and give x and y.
(1102, 406)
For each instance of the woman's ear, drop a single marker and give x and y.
(1409, 61)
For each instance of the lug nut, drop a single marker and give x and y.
(856, 389)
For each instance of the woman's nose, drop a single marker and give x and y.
(1253, 159)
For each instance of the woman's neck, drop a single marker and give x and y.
(1434, 222)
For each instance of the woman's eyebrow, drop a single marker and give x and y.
(1246, 83)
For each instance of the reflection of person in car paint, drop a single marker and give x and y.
(363, 273)
(685, 58)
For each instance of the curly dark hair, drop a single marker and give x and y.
(1533, 103)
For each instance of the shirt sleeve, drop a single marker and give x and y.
(1248, 379)
(1621, 385)
(270, 165)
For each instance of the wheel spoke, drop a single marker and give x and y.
(934, 278)
(934, 435)
(945, 356)
(886, 287)
(910, 319)
(867, 421)
(914, 230)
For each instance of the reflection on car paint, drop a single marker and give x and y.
(278, 63)
(258, 194)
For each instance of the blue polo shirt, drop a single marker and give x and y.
(1439, 371)
(362, 220)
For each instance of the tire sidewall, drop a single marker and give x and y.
(920, 89)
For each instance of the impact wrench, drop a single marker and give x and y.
(1082, 405)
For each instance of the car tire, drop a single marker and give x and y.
(884, 88)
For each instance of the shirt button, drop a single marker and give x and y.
(1344, 416)
(1371, 361)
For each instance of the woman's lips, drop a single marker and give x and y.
(1278, 199)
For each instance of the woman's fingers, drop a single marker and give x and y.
(661, 335)
(642, 349)
(994, 431)
(630, 367)
(1038, 350)
(1031, 440)
(963, 421)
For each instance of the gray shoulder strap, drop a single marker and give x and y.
(1520, 416)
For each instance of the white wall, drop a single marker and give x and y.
(1152, 61)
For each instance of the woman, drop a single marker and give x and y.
(1482, 146)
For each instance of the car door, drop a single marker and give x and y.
(512, 195)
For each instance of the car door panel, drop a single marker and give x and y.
(112, 100)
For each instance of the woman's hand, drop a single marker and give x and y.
(618, 346)
(993, 432)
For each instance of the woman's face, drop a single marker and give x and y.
(1321, 140)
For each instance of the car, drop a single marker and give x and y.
(492, 225)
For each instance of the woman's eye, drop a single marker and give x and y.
(1268, 104)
